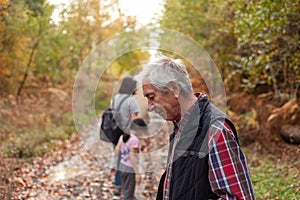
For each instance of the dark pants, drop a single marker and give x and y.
(128, 182)
(118, 173)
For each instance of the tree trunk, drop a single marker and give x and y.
(27, 69)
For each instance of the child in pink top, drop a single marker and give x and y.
(129, 147)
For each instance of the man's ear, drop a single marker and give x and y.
(174, 87)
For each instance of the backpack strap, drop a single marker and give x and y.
(119, 106)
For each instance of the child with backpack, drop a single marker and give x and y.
(129, 148)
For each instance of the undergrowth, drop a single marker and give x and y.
(272, 179)
(38, 140)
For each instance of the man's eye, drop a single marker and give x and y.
(151, 98)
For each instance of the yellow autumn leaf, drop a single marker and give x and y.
(5, 72)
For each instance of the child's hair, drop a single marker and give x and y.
(135, 124)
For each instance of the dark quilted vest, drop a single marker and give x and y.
(190, 167)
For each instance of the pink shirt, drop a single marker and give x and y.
(133, 142)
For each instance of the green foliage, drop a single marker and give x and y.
(275, 181)
(25, 27)
(271, 178)
(267, 34)
(36, 6)
(103, 96)
(128, 64)
(197, 19)
(33, 47)
(254, 43)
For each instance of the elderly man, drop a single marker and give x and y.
(205, 160)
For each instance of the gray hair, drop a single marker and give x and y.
(163, 70)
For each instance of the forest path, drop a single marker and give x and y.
(81, 170)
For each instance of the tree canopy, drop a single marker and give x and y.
(254, 43)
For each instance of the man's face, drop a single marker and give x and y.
(165, 104)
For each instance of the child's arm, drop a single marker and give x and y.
(115, 158)
(133, 160)
(117, 150)
(134, 115)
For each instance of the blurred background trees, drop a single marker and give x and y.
(34, 49)
(255, 43)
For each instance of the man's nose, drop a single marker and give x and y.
(151, 107)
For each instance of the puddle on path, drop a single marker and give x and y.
(62, 172)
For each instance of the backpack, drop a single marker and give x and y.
(109, 128)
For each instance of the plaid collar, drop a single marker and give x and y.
(179, 125)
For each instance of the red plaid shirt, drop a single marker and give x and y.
(228, 172)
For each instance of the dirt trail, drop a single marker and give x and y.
(81, 170)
